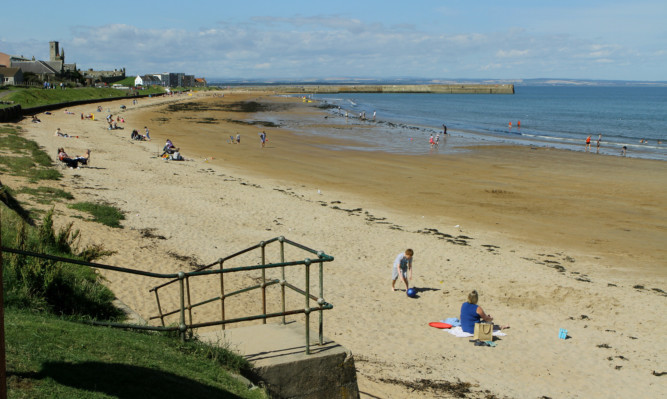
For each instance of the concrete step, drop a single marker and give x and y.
(277, 352)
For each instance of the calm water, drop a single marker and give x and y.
(560, 117)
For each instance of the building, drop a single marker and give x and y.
(175, 79)
(200, 82)
(5, 60)
(188, 81)
(11, 76)
(57, 69)
(147, 80)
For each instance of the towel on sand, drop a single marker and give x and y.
(458, 332)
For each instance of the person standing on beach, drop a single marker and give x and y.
(147, 133)
(373, 116)
(238, 138)
(262, 138)
(588, 143)
(444, 129)
(403, 268)
(431, 141)
(598, 144)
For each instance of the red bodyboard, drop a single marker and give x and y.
(439, 324)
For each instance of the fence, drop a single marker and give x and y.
(183, 279)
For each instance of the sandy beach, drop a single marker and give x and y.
(550, 239)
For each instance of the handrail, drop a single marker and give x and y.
(207, 270)
(183, 278)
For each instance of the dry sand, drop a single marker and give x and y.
(551, 239)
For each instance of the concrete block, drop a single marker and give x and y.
(277, 353)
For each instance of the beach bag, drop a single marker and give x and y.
(483, 331)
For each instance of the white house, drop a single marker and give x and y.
(146, 80)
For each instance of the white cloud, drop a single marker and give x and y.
(323, 46)
(511, 53)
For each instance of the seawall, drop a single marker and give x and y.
(435, 88)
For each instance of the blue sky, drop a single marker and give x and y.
(616, 40)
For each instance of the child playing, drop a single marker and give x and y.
(402, 265)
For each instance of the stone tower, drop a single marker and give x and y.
(55, 54)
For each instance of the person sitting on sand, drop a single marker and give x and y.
(35, 119)
(136, 136)
(169, 148)
(232, 139)
(64, 158)
(472, 313)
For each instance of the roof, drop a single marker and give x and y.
(9, 72)
(36, 67)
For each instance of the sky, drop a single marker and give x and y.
(283, 39)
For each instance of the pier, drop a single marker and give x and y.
(434, 88)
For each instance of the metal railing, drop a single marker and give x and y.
(184, 288)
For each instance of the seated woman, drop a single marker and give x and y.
(35, 119)
(169, 148)
(472, 313)
(64, 158)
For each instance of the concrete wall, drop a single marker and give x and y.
(445, 89)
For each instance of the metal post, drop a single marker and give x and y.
(263, 282)
(187, 285)
(222, 293)
(319, 302)
(182, 326)
(159, 307)
(307, 309)
(3, 358)
(282, 283)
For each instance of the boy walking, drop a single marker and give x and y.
(402, 265)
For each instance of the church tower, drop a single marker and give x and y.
(55, 52)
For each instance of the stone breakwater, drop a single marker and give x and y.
(436, 88)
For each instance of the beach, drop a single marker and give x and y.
(550, 239)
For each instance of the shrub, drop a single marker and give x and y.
(44, 284)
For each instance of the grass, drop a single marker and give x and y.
(34, 97)
(101, 213)
(49, 357)
(128, 81)
(22, 157)
(46, 285)
(46, 195)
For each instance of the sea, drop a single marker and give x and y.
(541, 116)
